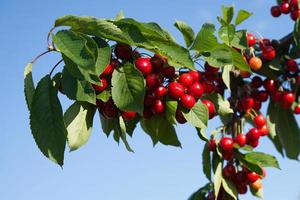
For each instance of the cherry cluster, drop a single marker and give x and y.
(286, 7)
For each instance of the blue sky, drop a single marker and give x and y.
(102, 169)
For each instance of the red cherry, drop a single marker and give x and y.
(123, 51)
(256, 105)
(149, 99)
(160, 91)
(269, 53)
(208, 87)
(241, 178)
(256, 82)
(263, 131)
(295, 14)
(277, 96)
(253, 143)
(210, 68)
(158, 106)
(188, 101)
(226, 144)
(144, 65)
(168, 72)
(294, 3)
(196, 90)
(147, 113)
(179, 117)
(109, 109)
(240, 139)
(262, 96)
(263, 43)
(252, 177)
(176, 90)
(247, 102)
(297, 109)
(251, 39)
(270, 85)
(153, 81)
(287, 99)
(109, 68)
(186, 79)
(128, 115)
(229, 171)
(212, 146)
(211, 108)
(157, 63)
(259, 121)
(285, 7)
(227, 155)
(253, 134)
(275, 11)
(242, 189)
(196, 75)
(101, 88)
(291, 65)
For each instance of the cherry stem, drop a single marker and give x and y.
(55, 67)
(36, 58)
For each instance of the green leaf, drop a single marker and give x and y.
(187, 32)
(107, 124)
(120, 129)
(79, 122)
(258, 193)
(205, 39)
(226, 75)
(218, 178)
(230, 188)
(104, 55)
(171, 107)
(201, 193)
(104, 95)
(240, 40)
(77, 48)
(201, 134)
(287, 129)
(77, 90)
(228, 13)
(242, 16)
(296, 33)
(251, 166)
(29, 88)
(273, 136)
(120, 15)
(46, 121)
(131, 125)
(128, 89)
(206, 164)
(227, 33)
(159, 129)
(222, 105)
(262, 159)
(197, 116)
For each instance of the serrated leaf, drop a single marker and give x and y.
(218, 178)
(29, 87)
(128, 89)
(77, 48)
(226, 75)
(230, 188)
(160, 130)
(79, 122)
(205, 39)
(227, 33)
(187, 32)
(228, 13)
(206, 163)
(46, 121)
(242, 16)
(103, 55)
(197, 116)
(240, 40)
(171, 107)
(77, 90)
(287, 129)
(262, 159)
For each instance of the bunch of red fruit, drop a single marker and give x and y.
(286, 7)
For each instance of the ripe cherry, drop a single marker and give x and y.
(297, 109)
(259, 121)
(256, 105)
(179, 117)
(295, 14)
(210, 68)
(128, 115)
(291, 65)
(110, 68)
(245, 74)
(240, 139)
(255, 63)
(253, 143)
(252, 177)
(263, 43)
(269, 53)
(277, 96)
(110, 110)
(263, 131)
(226, 144)
(168, 72)
(101, 88)
(123, 51)
(247, 102)
(188, 101)
(211, 108)
(212, 145)
(241, 178)
(253, 134)
(208, 87)
(157, 63)
(143, 65)
(196, 75)
(251, 39)
(285, 7)
(256, 82)
(196, 90)
(275, 11)
(186, 79)
(262, 96)
(228, 155)
(256, 185)
(270, 85)
(287, 99)
(153, 81)
(229, 171)
(158, 106)
(160, 91)
(242, 189)
(176, 90)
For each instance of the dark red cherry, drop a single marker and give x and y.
(123, 51)
(211, 108)
(275, 11)
(143, 65)
(176, 90)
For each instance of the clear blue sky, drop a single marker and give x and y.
(101, 169)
